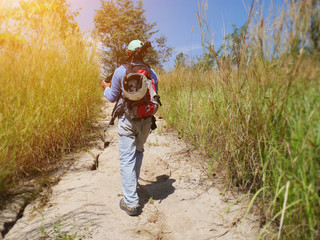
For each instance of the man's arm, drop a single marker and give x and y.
(104, 84)
(155, 79)
(113, 92)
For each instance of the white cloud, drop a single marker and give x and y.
(189, 49)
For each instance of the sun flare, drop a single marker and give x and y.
(9, 3)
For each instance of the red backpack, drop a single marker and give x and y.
(139, 92)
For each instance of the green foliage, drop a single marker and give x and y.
(229, 51)
(232, 46)
(121, 21)
(181, 60)
(162, 54)
(258, 118)
(60, 230)
(258, 131)
(314, 30)
(315, 26)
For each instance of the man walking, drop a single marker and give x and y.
(132, 131)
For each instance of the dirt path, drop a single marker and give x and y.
(178, 202)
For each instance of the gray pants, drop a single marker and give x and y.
(132, 136)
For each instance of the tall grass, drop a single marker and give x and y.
(49, 90)
(258, 118)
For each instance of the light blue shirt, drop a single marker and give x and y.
(112, 94)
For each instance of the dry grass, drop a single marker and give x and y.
(258, 116)
(49, 90)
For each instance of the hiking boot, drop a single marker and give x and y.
(129, 210)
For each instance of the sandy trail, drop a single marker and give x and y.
(178, 201)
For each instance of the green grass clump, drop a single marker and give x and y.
(49, 90)
(258, 120)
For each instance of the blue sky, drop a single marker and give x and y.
(176, 19)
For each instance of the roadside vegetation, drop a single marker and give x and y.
(49, 87)
(253, 106)
(50, 73)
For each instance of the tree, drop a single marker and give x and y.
(164, 52)
(314, 30)
(233, 44)
(230, 50)
(121, 21)
(181, 60)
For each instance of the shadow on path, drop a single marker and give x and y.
(157, 190)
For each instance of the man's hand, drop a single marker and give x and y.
(105, 84)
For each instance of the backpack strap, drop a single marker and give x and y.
(130, 67)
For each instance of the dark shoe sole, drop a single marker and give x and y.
(130, 211)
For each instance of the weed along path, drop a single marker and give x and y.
(178, 200)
